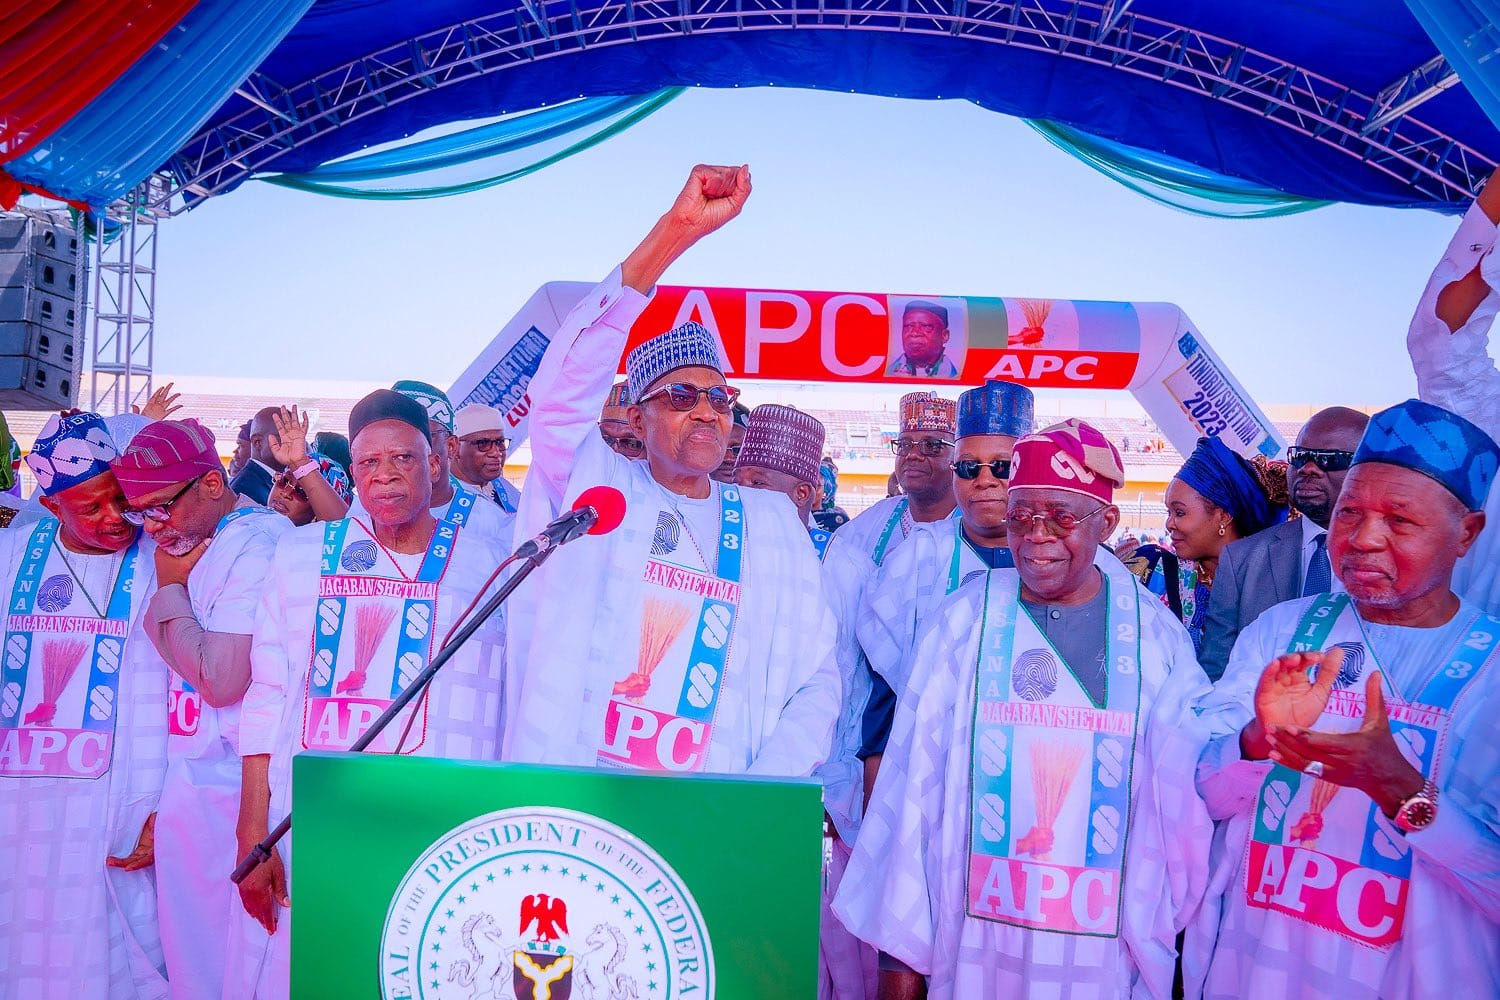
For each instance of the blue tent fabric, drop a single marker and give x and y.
(1361, 43)
(1468, 33)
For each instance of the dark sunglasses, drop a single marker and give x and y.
(683, 396)
(287, 480)
(488, 444)
(1327, 459)
(624, 445)
(161, 513)
(968, 468)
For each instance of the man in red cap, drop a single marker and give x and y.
(1036, 828)
(213, 554)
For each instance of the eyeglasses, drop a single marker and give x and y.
(683, 396)
(628, 446)
(488, 444)
(930, 447)
(161, 513)
(968, 468)
(1059, 523)
(287, 481)
(1327, 459)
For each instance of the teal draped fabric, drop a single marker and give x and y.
(1173, 182)
(478, 157)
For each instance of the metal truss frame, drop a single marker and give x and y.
(1378, 130)
(122, 348)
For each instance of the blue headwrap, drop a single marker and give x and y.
(71, 450)
(1227, 480)
(1431, 440)
(996, 408)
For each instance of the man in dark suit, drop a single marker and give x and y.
(259, 474)
(1289, 560)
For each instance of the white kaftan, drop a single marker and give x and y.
(291, 705)
(902, 594)
(1455, 371)
(1100, 928)
(83, 742)
(195, 824)
(695, 637)
(1343, 905)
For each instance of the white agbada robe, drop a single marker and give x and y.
(462, 716)
(1455, 371)
(901, 596)
(1316, 930)
(71, 928)
(199, 907)
(480, 515)
(852, 558)
(576, 636)
(907, 890)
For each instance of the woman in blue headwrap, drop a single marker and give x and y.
(1216, 497)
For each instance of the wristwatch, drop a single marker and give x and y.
(1418, 812)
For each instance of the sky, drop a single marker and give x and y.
(851, 193)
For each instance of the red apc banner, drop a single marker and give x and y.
(865, 337)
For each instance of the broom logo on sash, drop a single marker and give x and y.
(1054, 765)
(371, 622)
(1309, 827)
(661, 624)
(60, 660)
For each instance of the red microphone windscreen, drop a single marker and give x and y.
(608, 503)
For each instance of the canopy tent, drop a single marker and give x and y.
(1347, 100)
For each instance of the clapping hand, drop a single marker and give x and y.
(162, 404)
(1285, 697)
(289, 443)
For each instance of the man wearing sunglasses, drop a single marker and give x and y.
(1288, 560)
(478, 449)
(213, 555)
(82, 732)
(694, 638)
(614, 423)
(1046, 733)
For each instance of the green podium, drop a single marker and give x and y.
(436, 879)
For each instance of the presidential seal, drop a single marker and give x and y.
(537, 903)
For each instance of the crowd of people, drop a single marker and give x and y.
(1255, 761)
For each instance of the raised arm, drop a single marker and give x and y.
(1449, 336)
(576, 371)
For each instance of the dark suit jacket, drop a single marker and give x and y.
(1254, 574)
(253, 482)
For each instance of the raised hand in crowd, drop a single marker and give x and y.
(302, 477)
(162, 404)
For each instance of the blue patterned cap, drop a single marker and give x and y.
(1437, 443)
(71, 450)
(434, 400)
(997, 408)
(687, 346)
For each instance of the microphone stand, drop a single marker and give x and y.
(261, 852)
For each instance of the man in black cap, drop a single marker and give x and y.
(924, 338)
(347, 620)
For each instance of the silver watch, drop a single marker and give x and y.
(1418, 812)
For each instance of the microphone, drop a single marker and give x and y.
(597, 511)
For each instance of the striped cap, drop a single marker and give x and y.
(166, 453)
(783, 439)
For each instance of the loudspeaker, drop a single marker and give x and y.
(39, 326)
